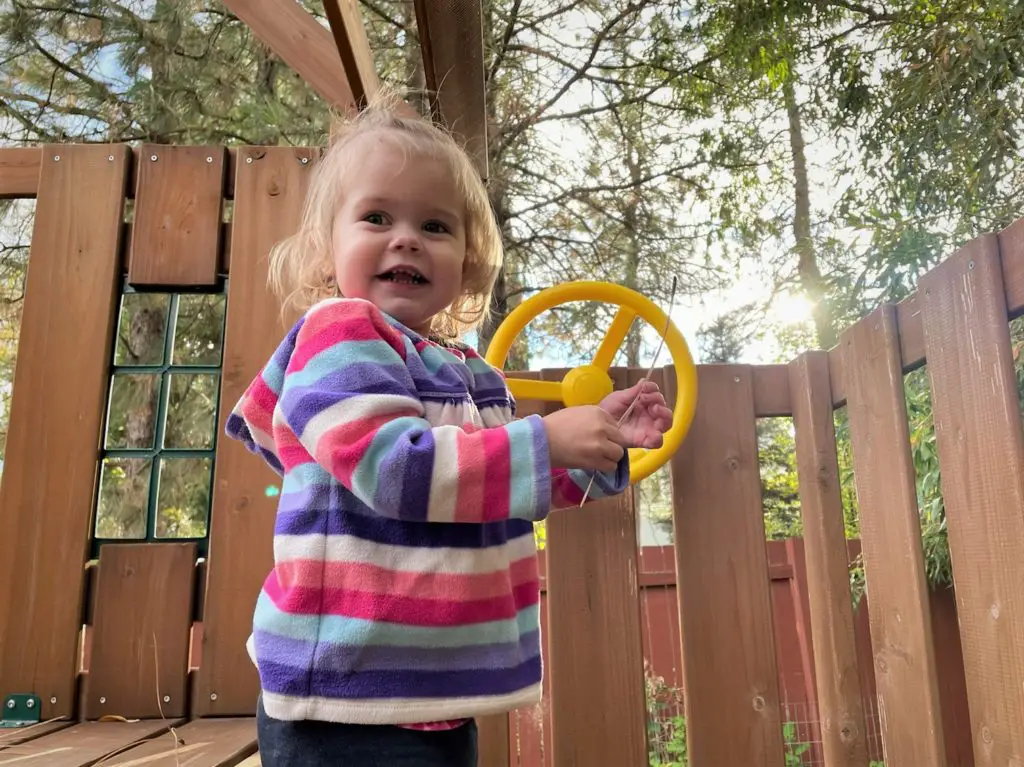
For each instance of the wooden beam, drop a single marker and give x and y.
(353, 48)
(302, 43)
(19, 171)
(452, 42)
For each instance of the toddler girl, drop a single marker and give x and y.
(404, 596)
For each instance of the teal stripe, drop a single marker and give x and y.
(523, 484)
(302, 476)
(356, 631)
(345, 354)
(273, 375)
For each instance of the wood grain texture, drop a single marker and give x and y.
(144, 594)
(346, 24)
(595, 665)
(909, 708)
(58, 404)
(981, 456)
(86, 744)
(203, 743)
(493, 743)
(19, 171)
(729, 661)
(451, 41)
(176, 229)
(841, 710)
(269, 194)
(290, 31)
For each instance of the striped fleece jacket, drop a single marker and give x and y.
(405, 585)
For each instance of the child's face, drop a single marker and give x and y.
(399, 237)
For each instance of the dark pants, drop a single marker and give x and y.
(326, 744)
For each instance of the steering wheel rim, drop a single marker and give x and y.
(589, 384)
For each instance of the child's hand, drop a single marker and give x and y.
(584, 437)
(649, 418)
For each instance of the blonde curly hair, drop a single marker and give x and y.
(302, 265)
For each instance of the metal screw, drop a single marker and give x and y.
(53, 699)
(30, 703)
(110, 158)
(167, 699)
(970, 264)
(305, 161)
(736, 379)
(213, 696)
(10, 704)
(153, 157)
(248, 161)
(56, 158)
(209, 159)
(103, 700)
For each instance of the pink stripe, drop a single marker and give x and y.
(472, 459)
(337, 324)
(371, 579)
(395, 608)
(498, 480)
(564, 492)
(343, 447)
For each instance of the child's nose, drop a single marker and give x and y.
(405, 240)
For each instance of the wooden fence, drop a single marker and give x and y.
(116, 635)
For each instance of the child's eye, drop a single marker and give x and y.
(435, 227)
(377, 219)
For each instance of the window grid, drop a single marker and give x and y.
(158, 454)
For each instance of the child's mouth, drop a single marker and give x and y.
(403, 276)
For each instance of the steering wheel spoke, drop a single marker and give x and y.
(526, 388)
(614, 337)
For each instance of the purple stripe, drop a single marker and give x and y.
(333, 510)
(404, 471)
(397, 683)
(236, 427)
(368, 657)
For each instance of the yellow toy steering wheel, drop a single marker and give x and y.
(589, 384)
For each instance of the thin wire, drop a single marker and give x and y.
(646, 378)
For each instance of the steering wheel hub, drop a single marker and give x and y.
(586, 385)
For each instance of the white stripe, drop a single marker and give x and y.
(445, 479)
(351, 409)
(348, 548)
(395, 710)
(496, 415)
(261, 438)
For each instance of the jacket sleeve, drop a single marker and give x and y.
(568, 485)
(349, 401)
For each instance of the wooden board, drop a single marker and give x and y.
(597, 717)
(202, 743)
(176, 228)
(59, 399)
(19, 171)
(269, 193)
(451, 42)
(144, 594)
(346, 24)
(299, 40)
(493, 744)
(729, 661)
(901, 634)
(981, 455)
(841, 710)
(14, 737)
(85, 744)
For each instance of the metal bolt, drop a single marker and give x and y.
(30, 703)
(213, 696)
(53, 699)
(167, 699)
(153, 157)
(736, 379)
(305, 161)
(56, 158)
(103, 700)
(209, 160)
(10, 704)
(248, 161)
(110, 158)
(970, 264)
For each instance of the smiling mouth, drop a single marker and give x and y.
(404, 276)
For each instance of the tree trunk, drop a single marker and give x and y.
(808, 270)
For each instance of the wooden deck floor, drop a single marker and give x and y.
(146, 743)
